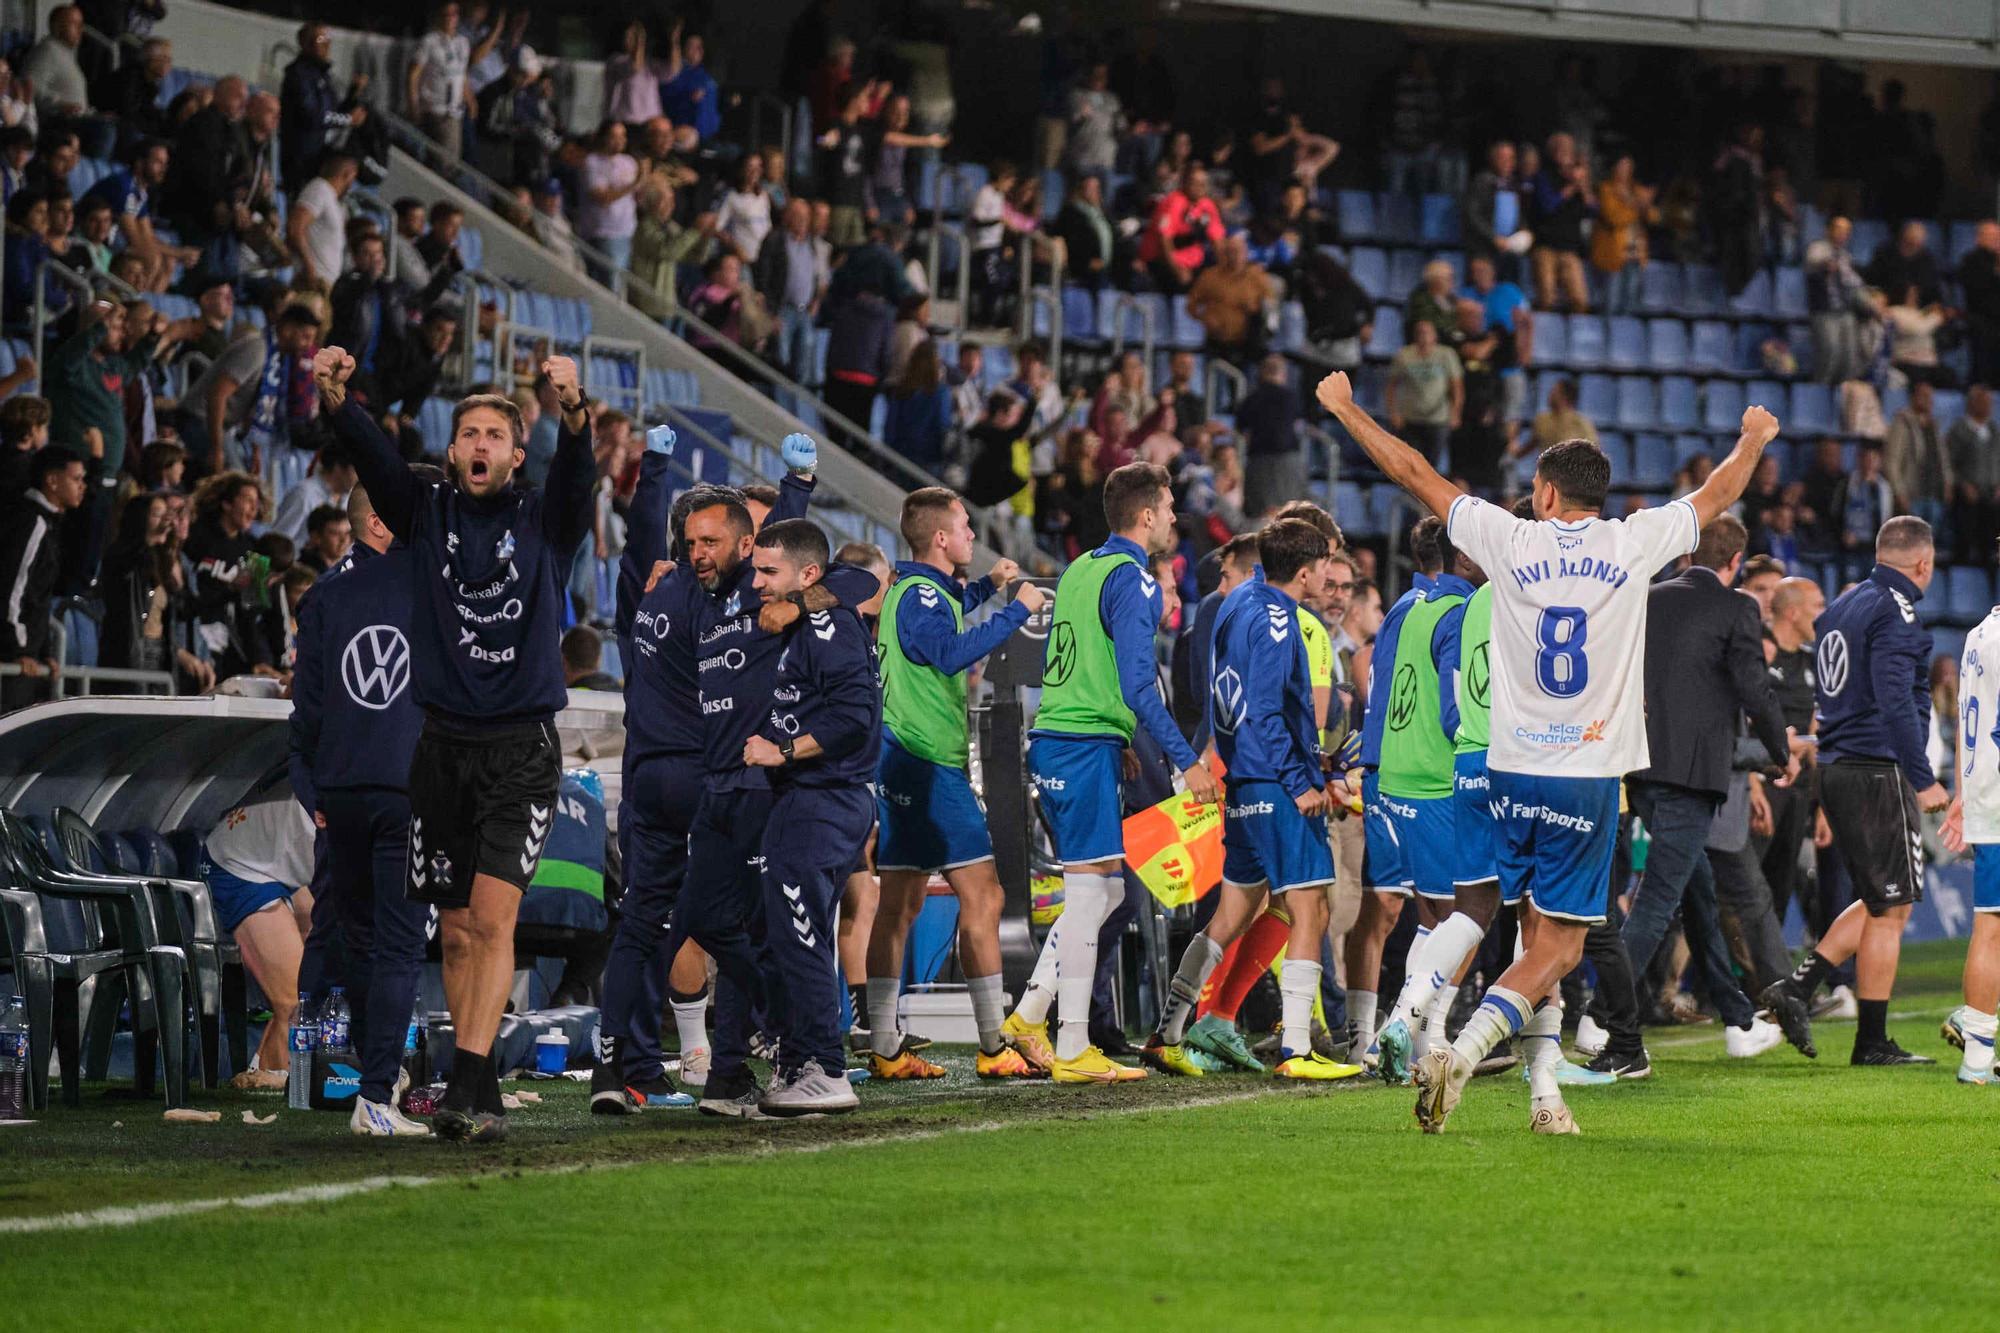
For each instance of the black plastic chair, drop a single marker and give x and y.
(184, 916)
(154, 974)
(27, 957)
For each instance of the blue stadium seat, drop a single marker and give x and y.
(434, 421)
(1291, 327)
(1701, 291)
(997, 366)
(1370, 269)
(1678, 410)
(1053, 193)
(1354, 214)
(1724, 409)
(1660, 287)
(1383, 503)
(967, 180)
(471, 247)
(1712, 347)
(1964, 238)
(1396, 219)
(1686, 447)
(1618, 449)
(1968, 593)
(1666, 344)
(1812, 409)
(656, 387)
(1350, 510)
(1552, 341)
(1437, 219)
(1947, 405)
(1628, 343)
(1406, 271)
(1184, 330)
(1638, 403)
(1385, 335)
(1652, 462)
(1597, 397)
(926, 195)
(1586, 339)
(1788, 293)
(1079, 317)
(1754, 301)
(1768, 393)
(1870, 235)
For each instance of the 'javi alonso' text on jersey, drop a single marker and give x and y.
(1569, 632)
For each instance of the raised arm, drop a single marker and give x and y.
(646, 535)
(1725, 485)
(1398, 461)
(924, 629)
(566, 503)
(391, 488)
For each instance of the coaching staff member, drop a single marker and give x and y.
(1874, 717)
(488, 562)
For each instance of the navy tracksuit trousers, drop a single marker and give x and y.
(721, 909)
(810, 846)
(367, 846)
(654, 816)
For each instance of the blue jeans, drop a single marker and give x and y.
(795, 343)
(617, 249)
(1678, 878)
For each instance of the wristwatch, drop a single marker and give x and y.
(785, 748)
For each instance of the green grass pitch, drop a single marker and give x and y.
(1773, 1194)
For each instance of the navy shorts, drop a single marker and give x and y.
(237, 899)
(1078, 782)
(1557, 838)
(1474, 834)
(1265, 840)
(1385, 866)
(930, 819)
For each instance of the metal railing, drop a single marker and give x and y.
(962, 285)
(86, 286)
(1149, 333)
(1215, 372)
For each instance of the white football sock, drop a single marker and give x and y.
(1541, 1036)
(1200, 959)
(1416, 977)
(884, 1035)
(1041, 989)
(1979, 1033)
(1086, 902)
(1298, 987)
(1499, 1016)
(988, 1010)
(1437, 1017)
(689, 1023)
(1360, 1013)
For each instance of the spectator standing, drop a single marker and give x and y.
(1915, 460)
(1505, 307)
(1416, 126)
(1618, 240)
(1563, 203)
(607, 215)
(144, 589)
(718, 302)
(1974, 446)
(219, 546)
(1096, 117)
(1979, 281)
(312, 116)
(439, 95)
(660, 245)
(1268, 419)
(517, 123)
(31, 568)
(326, 485)
(1494, 210)
(857, 355)
(846, 144)
(437, 248)
(1426, 393)
(1834, 305)
(1906, 262)
(632, 80)
(744, 219)
(370, 316)
(1230, 299)
(1736, 207)
(689, 95)
(919, 416)
(1862, 502)
(209, 167)
(1913, 340)
(1183, 234)
(1089, 238)
(134, 94)
(317, 226)
(1433, 301)
(62, 94)
(237, 413)
(1282, 150)
(886, 197)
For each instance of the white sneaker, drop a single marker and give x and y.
(810, 1091)
(380, 1120)
(1759, 1037)
(1590, 1038)
(1552, 1117)
(1839, 1005)
(693, 1072)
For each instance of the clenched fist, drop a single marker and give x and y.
(563, 379)
(1031, 596)
(1335, 392)
(331, 368)
(1004, 572)
(1759, 426)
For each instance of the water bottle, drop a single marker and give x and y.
(416, 1026)
(336, 1021)
(303, 1038)
(14, 1060)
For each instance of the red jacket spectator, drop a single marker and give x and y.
(1185, 229)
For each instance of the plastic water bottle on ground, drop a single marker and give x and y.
(14, 1060)
(412, 1036)
(336, 1022)
(302, 1040)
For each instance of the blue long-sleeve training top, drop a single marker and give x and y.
(736, 666)
(657, 636)
(1380, 660)
(354, 718)
(826, 687)
(490, 577)
(1260, 697)
(1129, 608)
(927, 632)
(1873, 688)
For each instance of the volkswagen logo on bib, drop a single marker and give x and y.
(1833, 662)
(375, 667)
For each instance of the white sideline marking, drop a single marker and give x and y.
(134, 1215)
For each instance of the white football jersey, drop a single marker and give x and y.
(1978, 711)
(1568, 661)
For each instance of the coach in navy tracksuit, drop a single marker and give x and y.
(819, 742)
(737, 645)
(354, 726)
(1874, 721)
(663, 766)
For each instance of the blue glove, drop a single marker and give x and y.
(800, 453)
(660, 440)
